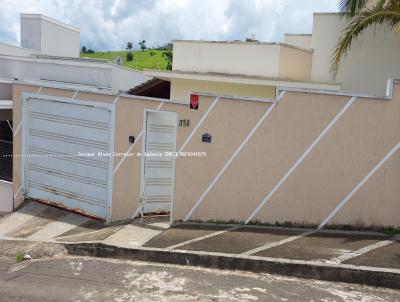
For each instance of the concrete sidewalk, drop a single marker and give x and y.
(296, 250)
(39, 222)
(325, 246)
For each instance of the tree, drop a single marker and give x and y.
(129, 56)
(83, 49)
(364, 14)
(90, 50)
(143, 45)
(167, 55)
(129, 46)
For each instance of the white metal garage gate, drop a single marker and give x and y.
(66, 142)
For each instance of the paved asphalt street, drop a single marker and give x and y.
(90, 279)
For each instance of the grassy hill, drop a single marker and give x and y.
(148, 59)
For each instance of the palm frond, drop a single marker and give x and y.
(351, 7)
(389, 17)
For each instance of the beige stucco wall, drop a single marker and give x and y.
(276, 145)
(295, 64)
(11, 50)
(180, 89)
(373, 59)
(349, 150)
(303, 41)
(356, 143)
(353, 146)
(17, 91)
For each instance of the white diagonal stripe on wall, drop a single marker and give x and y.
(20, 124)
(359, 185)
(17, 193)
(231, 159)
(199, 124)
(116, 99)
(128, 151)
(300, 160)
(9, 125)
(17, 129)
(134, 143)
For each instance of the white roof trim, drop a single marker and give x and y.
(63, 85)
(301, 35)
(235, 97)
(244, 80)
(6, 104)
(77, 87)
(388, 96)
(277, 44)
(59, 62)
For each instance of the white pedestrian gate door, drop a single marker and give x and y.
(159, 161)
(68, 142)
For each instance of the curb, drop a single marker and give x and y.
(372, 276)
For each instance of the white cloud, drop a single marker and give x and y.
(109, 24)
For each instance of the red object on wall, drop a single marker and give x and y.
(194, 101)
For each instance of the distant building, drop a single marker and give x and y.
(50, 52)
(251, 69)
(44, 34)
(256, 69)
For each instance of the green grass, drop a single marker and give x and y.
(19, 257)
(148, 59)
(391, 231)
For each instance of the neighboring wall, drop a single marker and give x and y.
(243, 58)
(6, 193)
(11, 50)
(299, 40)
(252, 59)
(100, 74)
(295, 63)
(361, 133)
(180, 89)
(371, 62)
(56, 70)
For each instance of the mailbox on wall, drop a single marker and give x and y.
(206, 138)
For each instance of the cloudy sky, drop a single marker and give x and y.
(109, 24)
